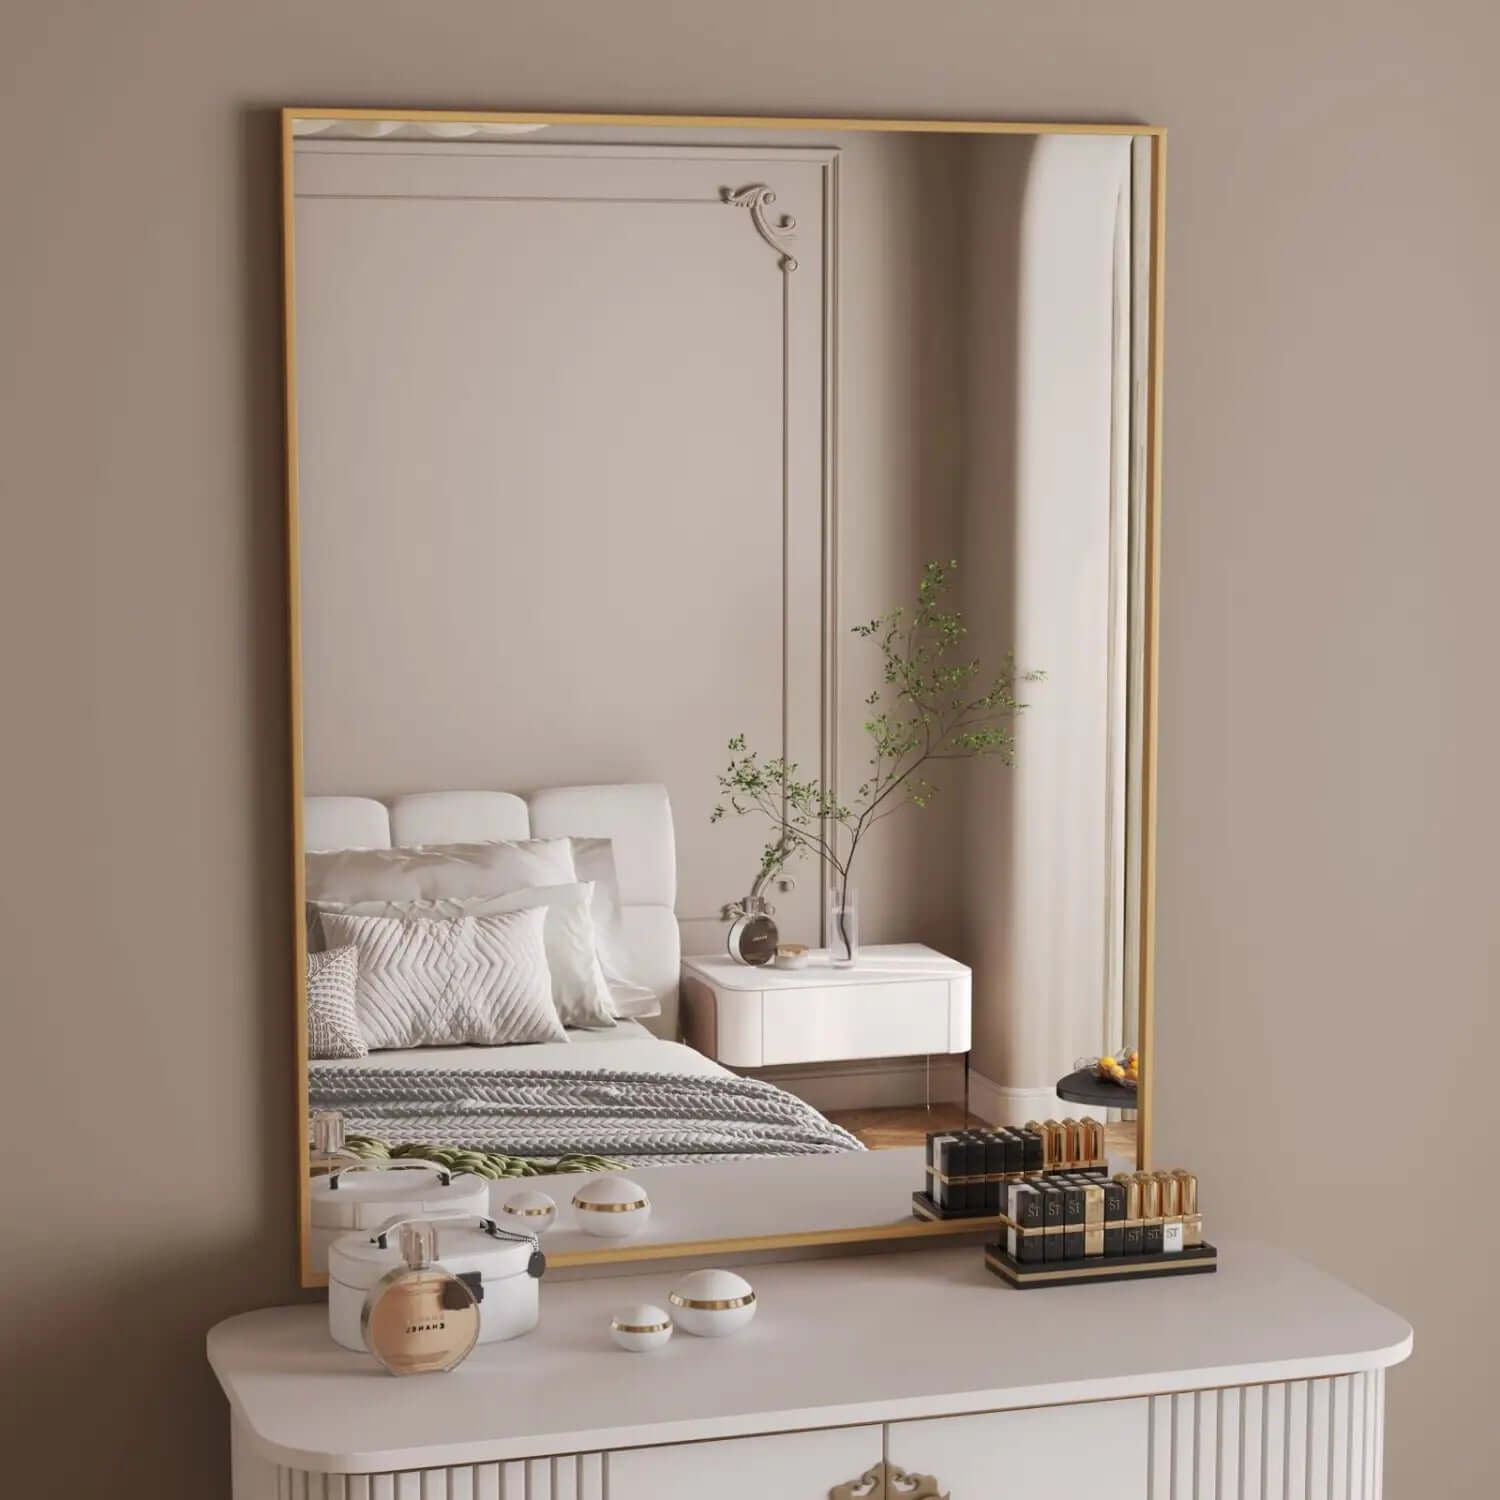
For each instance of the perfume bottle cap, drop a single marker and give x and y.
(417, 1240)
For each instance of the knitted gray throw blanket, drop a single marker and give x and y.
(640, 1119)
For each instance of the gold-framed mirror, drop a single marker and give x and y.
(604, 431)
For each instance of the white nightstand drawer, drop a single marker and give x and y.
(825, 1024)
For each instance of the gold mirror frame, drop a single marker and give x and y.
(914, 1231)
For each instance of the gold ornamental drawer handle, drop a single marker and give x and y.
(886, 1482)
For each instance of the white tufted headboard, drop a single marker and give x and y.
(638, 818)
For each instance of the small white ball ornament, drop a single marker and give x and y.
(641, 1328)
(530, 1211)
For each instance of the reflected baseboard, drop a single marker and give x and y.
(1005, 1104)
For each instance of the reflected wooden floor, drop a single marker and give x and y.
(910, 1125)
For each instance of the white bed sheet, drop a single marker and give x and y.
(626, 1048)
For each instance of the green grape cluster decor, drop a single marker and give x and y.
(933, 705)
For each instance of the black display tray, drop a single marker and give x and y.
(1196, 1261)
(923, 1207)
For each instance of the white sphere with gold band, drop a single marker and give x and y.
(530, 1211)
(712, 1303)
(641, 1328)
(612, 1207)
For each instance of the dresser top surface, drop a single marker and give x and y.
(882, 963)
(836, 1342)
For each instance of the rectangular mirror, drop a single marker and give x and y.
(604, 435)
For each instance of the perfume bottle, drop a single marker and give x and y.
(752, 933)
(420, 1319)
(328, 1152)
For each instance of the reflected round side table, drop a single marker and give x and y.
(1085, 1087)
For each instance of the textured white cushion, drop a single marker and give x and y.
(437, 872)
(458, 818)
(332, 1026)
(440, 983)
(580, 991)
(653, 953)
(345, 823)
(637, 817)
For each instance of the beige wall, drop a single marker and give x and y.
(1328, 885)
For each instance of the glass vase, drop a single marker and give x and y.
(843, 926)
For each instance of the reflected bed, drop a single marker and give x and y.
(622, 1094)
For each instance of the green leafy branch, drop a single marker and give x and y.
(933, 705)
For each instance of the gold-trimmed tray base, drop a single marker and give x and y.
(1197, 1261)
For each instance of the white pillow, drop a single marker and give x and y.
(594, 860)
(579, 988)
(633, 1002)
(332, 1027)
(443, 983)
(436, 872)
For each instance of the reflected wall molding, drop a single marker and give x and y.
(758, 198)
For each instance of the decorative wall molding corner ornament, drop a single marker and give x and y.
(758, 198)
(886, 1482)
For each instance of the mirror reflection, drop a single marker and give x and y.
(721, 586)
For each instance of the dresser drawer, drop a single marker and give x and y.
(1092, 1452)
(825, 1024)
(789, 1466)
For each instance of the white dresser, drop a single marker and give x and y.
(1266, 1379)
(896, 1000)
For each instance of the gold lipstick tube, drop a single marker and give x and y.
(1052, 1145)
(1071, 1153)
(1171, 1194)
(1171, 1212)
(1093, 1220)
(1150, 1215)
(1192, 1220)
(1131, 1240)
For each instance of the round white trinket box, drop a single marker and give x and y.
(612, 1207)
(365, 1195)
(531, 1211)
(641, 1328)
(712, 1303)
